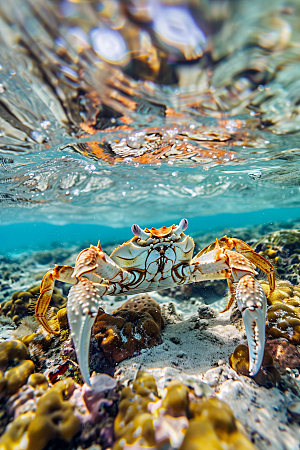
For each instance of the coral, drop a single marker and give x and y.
(22, 303)
(130, 328)
(15, 366)
(282, 249)
(213, 425)
(268, 376)
(143, 303)
(60, 412)
(286, 354)
(54, 418)
(38, 381)
(283, 321)
(283, 314)
(181, 419)
(15, 437)
(26, 326)
(25, 399)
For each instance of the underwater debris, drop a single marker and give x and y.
(134, 326)
(180, 418)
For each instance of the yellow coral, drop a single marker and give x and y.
(54, 417)
(14, 352)
(22, 303)
(283, 316)
(15, 437)
(146, 421)
(267, 376)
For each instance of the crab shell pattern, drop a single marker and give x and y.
(157, 259)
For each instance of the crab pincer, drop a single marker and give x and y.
(252, 303)
(82, 308)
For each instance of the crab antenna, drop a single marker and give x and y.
(181, 227)
(139, 232)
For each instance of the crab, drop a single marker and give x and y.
(157, 259)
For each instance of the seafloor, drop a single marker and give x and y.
(168, 369)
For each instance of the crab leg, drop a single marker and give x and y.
(252, 303)
(248, 252)
(61, 273)
(100, 273)
(257, 259)
(83, 304)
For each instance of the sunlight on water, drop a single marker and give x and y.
(172, 126)
(131, 114)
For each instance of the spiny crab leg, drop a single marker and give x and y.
(84, 298)
(61, 273)
(82, 307)
(252, 303)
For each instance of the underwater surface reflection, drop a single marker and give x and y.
(181, 117)
(156, 106)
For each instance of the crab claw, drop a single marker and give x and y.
(252, 303)
(82, 307)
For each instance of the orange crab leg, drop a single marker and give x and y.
(232, 290)
(62, 273)
(248, 252)
(257, 259)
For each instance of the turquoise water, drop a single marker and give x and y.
(20, 237)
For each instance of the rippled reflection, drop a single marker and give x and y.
(168, 106)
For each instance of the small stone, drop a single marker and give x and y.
(205, 312)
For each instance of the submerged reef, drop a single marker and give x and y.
(133, 326)
(282, 249)
(181, 418)
(171, 380)
(15, 366)
(283, 313)
(22, 303)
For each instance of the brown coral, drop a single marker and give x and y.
(286, 354)
(130, 328)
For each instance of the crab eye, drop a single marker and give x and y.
(181, 227)
(137, 231)
(184, 223)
